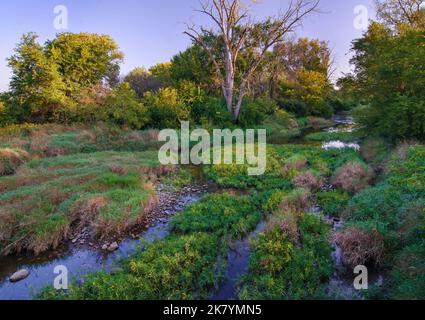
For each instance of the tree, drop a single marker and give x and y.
(124, 108)
(36, 85)
(84, 59)
(47, 81)
(194, 65)
(390, 71)
(162, 72)
(292, 60)
(235, 33)
(142, 81)
(393, 13)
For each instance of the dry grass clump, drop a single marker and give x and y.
(308, 180)
(360, 247)
(287, 214)
(293, 166)
(287, 221)
(11, 159)
(353, 177)
(296, 201)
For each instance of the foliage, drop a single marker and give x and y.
(282, 269)
(166, 108)
(47, 80)
(37, 88)
(394, 211)
(331, 136)
(178, 268)
(142, 81)
(83, 59)
(333, 203)
(393, 85)
(221, 214)
(124, 109)
(193, 65)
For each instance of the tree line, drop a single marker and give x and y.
(238, 71)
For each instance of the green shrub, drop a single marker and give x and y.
(333, 203)
(178, 268)
(280, 269)
(408, 275)
(166, 108)
(330, 136)
(124, 109)
(223, 215)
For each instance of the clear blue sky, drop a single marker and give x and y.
(151, 31)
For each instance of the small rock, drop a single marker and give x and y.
(114, 246)
(20, 275)
(105, 247)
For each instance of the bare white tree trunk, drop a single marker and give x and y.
(235, 27)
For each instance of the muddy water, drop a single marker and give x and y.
(79, 261)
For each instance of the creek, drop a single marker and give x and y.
(81, 260)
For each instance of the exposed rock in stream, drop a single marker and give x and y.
(84, 258)
(19, 275)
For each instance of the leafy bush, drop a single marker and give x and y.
(333, 203)
(166, 109)
(294, 106)
(254, 111)
(283, 269)
(124, 109)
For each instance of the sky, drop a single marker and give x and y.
(151, 31)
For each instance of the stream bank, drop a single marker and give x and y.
(82, 259)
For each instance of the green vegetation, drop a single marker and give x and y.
(390, 218)
(333, 203)
(285, 265)
(107, 191)
(79, 151)
(188, 264)
(330, 136)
